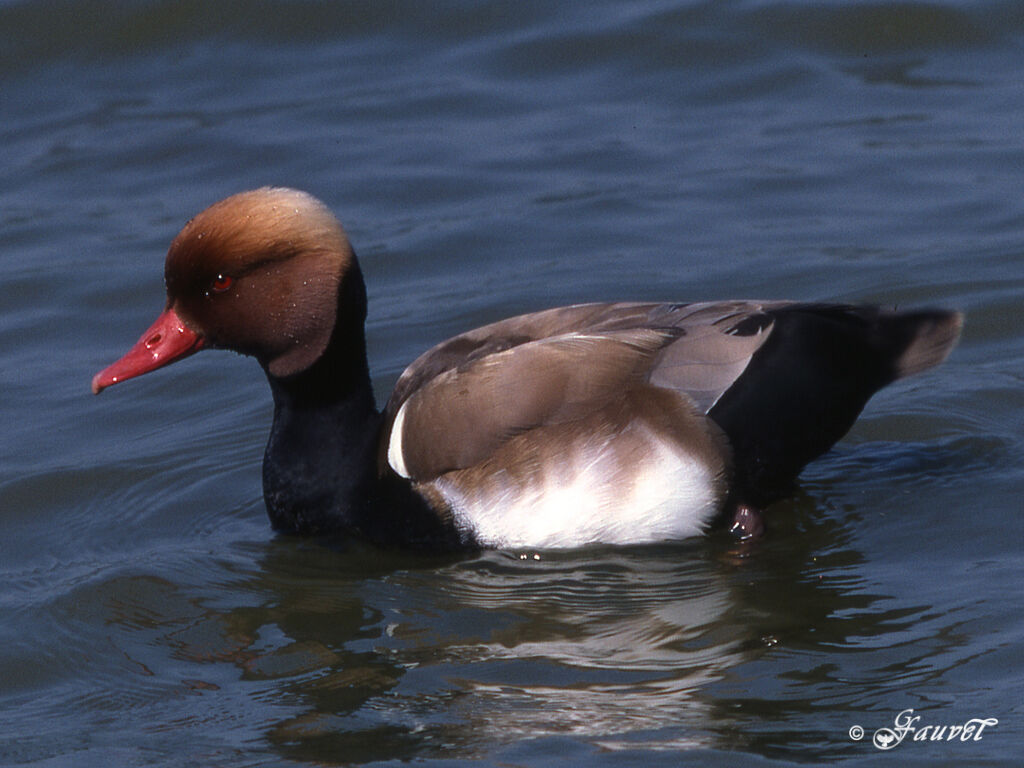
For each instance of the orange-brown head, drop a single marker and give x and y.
(260, 273)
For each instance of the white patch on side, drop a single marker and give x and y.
(395, 458)
(592, 497)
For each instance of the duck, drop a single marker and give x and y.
(592, 424)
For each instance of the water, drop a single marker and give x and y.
(489, 159)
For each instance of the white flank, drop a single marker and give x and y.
(395, 458)
(592, 498)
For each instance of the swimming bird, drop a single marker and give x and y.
(615, 423)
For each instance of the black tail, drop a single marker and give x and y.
(806, 385)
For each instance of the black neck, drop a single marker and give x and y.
(320, 467)
(320, 471)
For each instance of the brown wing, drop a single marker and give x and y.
(714, 334)
(718, 342)
(461, 416)
(468, 396)
(471, 346)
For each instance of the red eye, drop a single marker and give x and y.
(221, 283)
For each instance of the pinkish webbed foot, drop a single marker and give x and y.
(747, 522)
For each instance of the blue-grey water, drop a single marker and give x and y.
(490, 158)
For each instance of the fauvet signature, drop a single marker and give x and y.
(907, 724)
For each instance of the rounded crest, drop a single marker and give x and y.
(260, 272)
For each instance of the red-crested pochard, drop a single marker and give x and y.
(596, 423)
